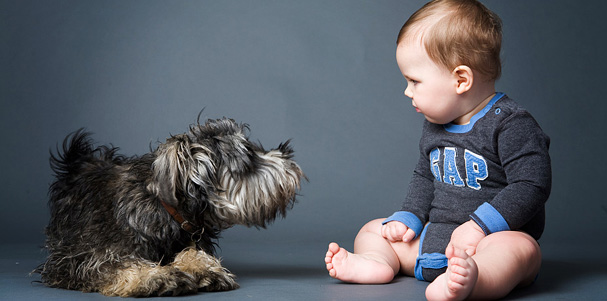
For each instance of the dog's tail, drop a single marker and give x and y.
(77, 148)
(75, 155)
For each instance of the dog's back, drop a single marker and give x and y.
(78, 196)
(82, 202)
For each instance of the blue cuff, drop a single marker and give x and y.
(407, 218)
(489, 219)
(429, 261)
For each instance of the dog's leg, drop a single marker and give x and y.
(206, 269)
(142, 279)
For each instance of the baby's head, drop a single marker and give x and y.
(458, 32)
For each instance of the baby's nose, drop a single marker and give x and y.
(408, 93)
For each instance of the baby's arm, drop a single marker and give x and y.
(523, 149)
(523, 153)
(407, 224)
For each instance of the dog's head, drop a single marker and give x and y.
(214, 165)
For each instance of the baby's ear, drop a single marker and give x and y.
(465, 78)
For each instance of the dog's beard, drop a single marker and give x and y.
(260, 196)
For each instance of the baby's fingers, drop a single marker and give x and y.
(387, 231)
(409, 235)
(384, 230)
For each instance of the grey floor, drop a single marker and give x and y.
(295, 271)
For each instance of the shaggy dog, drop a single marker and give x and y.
(146, 225)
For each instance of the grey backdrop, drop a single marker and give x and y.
(320, 72)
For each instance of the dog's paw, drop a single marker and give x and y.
(206, 269)
(218, 281)
(176, 283)
(143, 280)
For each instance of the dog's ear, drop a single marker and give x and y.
(182, 168)
(166, 171)
(201, 175)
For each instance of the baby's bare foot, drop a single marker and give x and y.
(458, 281)
(356, 268)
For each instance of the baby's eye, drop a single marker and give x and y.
(411, 81)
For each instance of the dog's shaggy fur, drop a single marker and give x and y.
(146, 225)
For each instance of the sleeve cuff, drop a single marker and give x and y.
(407, 218)
(489, 219)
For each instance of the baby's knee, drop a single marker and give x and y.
(525, 246)
(373, 226)
(530, 246)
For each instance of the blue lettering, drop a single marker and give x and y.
(434, 158)
(476, 169)
(450, 168)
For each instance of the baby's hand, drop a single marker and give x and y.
(466, 237)
(396, 231)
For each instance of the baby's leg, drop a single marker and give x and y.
(503, 261)
(375, 259)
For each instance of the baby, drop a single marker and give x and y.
(475, 207)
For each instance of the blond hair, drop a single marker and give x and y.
(459, 32)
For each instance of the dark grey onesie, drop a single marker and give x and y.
(494, 170)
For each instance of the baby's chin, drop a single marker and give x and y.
(436, 121)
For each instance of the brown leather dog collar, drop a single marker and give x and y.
(185, 224)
